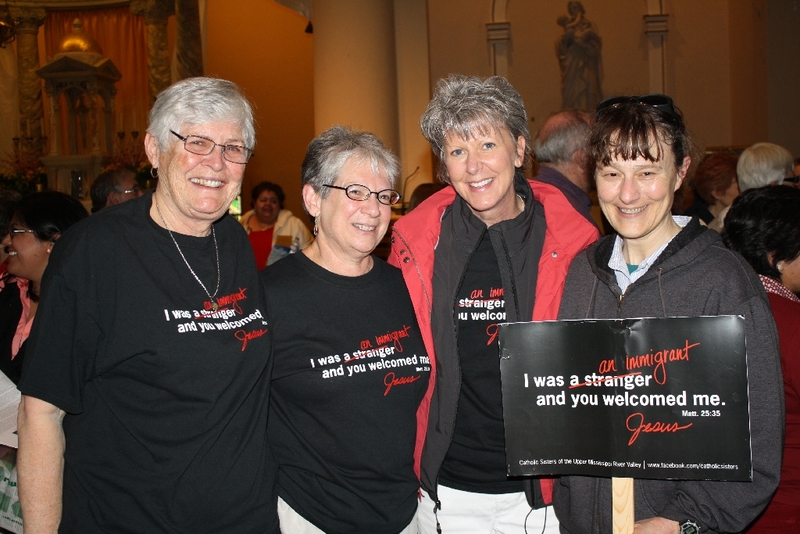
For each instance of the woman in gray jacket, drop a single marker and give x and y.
(659, 265)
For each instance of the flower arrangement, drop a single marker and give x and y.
(22, 172)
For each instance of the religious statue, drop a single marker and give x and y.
(578, 52)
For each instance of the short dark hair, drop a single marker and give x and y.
(266, 186)
(107, 182)
(715, 173)
(628, 128)
(49, 213)
(765, 221)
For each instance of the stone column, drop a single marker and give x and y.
(55, 113)
(655, 22)
(30, 86)
(498, 35)
(156, 13)
(355, 78)
(188, 44)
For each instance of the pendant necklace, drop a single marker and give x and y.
(214, 304)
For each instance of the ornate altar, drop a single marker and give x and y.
(79, 82)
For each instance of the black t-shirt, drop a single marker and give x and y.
(350, 370)
(476, 459)
(166, 402)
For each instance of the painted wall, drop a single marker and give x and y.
(731, 65)
(262, 46)
(783, 28)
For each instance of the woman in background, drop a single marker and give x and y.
(37, 223)
(763, 225)
(269, 226)
(715, 187)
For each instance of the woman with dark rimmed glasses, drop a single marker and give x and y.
(350, 367)
(659, 265)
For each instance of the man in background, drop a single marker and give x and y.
(114, 187)
(560, 148)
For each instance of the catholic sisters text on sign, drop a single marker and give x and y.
(640, 398)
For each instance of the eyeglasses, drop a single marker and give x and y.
(136, 189)
(660, 102)
(361, 192)
(203, 146)
(792, 179)
(17, 231)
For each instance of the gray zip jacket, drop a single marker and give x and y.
(695, 275)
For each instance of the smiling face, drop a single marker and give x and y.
(27, 255)
(636, 197)
(349, 230)
(267, 207)
(482, 170)
(194, 191)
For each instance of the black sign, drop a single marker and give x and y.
(641, 398)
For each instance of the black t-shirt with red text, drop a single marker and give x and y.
(350, 371)
(476, 459)
(166, 398)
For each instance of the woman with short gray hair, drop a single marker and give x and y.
(492, 236)
(151, 347)
(350, 367)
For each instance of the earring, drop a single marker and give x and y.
(154, 172)
(316, 228)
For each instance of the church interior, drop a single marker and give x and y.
(77, 77)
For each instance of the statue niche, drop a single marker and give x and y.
(579, 56)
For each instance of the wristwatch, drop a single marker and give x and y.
(690, 527)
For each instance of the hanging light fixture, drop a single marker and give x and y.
(8, 26)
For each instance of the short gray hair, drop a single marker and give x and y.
(200, 100)
(467, 106)
(330, 150)
(763, 164)
(562, 135)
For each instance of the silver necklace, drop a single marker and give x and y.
(214, 304)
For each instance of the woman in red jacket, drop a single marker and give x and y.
(491, 248)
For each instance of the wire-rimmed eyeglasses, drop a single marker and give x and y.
(17, 231)
(136, 189)
(361, 192)
(203, 146)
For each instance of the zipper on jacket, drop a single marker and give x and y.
(436, 507)
(619, 302)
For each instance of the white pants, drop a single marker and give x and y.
(294, 523)
(464, 512)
